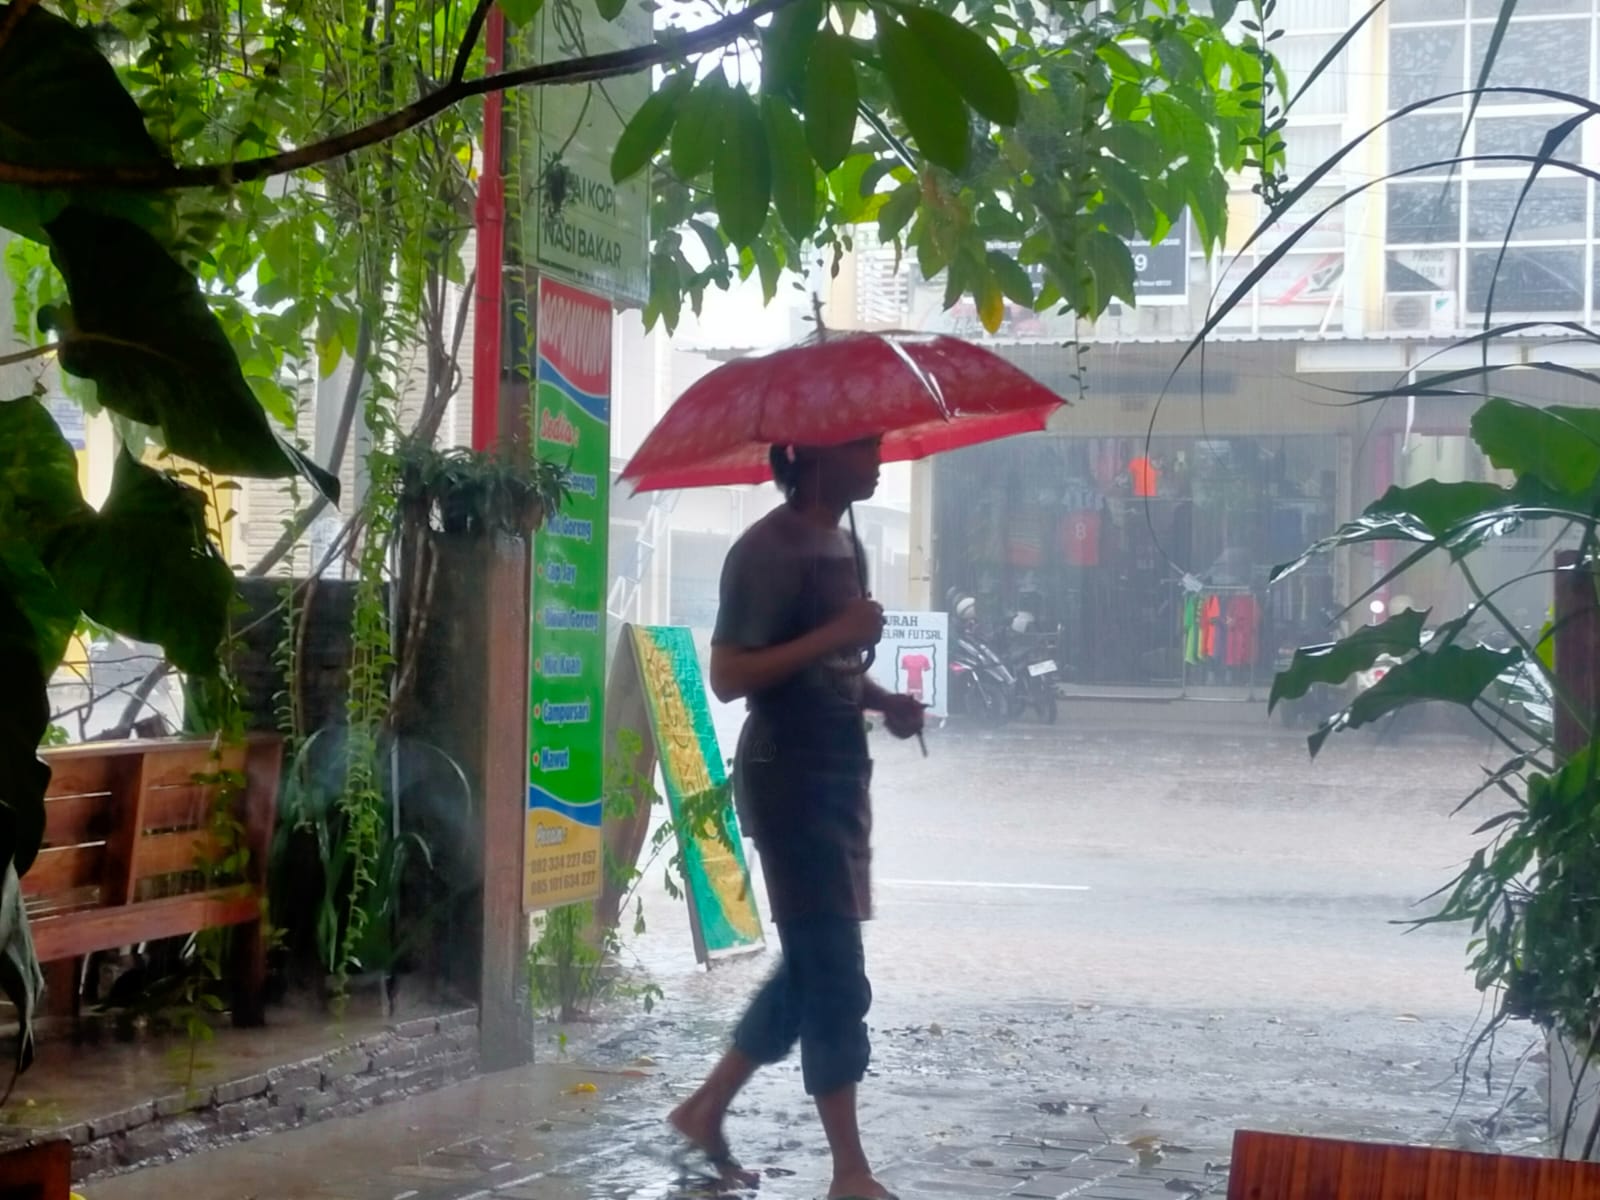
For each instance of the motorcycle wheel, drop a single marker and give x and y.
(989, 707)
(1048, 708)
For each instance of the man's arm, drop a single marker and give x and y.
(874, 696)
(737, 672)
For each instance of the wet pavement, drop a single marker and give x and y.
(1101, 948)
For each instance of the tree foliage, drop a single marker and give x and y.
(215, 203)
(1014, 148)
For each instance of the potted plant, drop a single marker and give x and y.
(468, 493)
(361, 931)
(1529, 893)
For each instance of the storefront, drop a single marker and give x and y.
(1152, 554)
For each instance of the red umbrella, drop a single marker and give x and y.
(922, 394)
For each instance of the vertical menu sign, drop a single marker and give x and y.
(572, 416)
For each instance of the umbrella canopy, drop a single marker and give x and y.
(921, 394)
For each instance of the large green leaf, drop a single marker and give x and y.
(521, 12)
(38, 471)
(1013, 280)
(24, 717)
(968, 59)
(697, 136)
(1453, 674)
(830, 102)
(741, 179)
(21, 978)
(1558, 446)
(925, 96)
(1335, 662)
(144, 565)
(1433, 510)
(898, 210)
(647, 132)
(1428, 513)
(141, 329)
(1112, 263)
(61, 104)
(794, 175)
(786, 48)
(52, 617)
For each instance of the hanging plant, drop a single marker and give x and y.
(470, 493)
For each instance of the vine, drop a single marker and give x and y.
(1266, 146)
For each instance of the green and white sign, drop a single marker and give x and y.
(562, 853)
(588, 229)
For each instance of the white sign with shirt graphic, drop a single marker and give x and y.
(913, 658)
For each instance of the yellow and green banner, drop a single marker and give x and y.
(562, 855)
(659, 666)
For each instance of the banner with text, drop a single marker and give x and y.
(572, 424)
(913, 658)
(661, 660)
(589, 229)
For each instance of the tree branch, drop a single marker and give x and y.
(469, 40)
(33, 352)
(586, 69)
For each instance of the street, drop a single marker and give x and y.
(1100, 949)
(1178, 914)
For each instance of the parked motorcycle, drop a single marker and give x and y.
(981, 685)
(1031, 656)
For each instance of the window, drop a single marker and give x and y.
(1299, 56)
(1527, 8)
(1525, 135)
(1420, 138)
(1543, 54)
(1425, 63)
(1424, 212)
(1446, 227)
(1402, 11)
(1554, 210)
(1529, 281)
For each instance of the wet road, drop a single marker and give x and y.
(1210, 863)
(1168, 908)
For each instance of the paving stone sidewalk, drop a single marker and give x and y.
(565, 1133)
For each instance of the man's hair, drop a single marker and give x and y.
(785, 468)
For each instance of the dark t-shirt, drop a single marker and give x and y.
(802, 770)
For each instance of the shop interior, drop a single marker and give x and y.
(1152, 556)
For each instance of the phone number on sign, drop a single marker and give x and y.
(564, 862)
(570, 882)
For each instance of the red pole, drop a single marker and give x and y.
(487, 317)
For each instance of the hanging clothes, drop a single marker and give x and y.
(1191, 628)
(1146, 478)
(1079, 538)
(1211, 644)
(1243, 630)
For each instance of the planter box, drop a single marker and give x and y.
(1272, 1166)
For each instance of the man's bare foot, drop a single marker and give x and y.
(858, 1187)
(698, 1123)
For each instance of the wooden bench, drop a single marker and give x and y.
(1270, 1166)
(128, 836)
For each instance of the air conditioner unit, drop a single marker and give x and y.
(1420, 312)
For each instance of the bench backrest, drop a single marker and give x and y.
(1269, 1166)
(127, 822)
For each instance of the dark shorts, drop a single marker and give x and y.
(819, 996)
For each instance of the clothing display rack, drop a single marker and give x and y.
(1222, 637)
